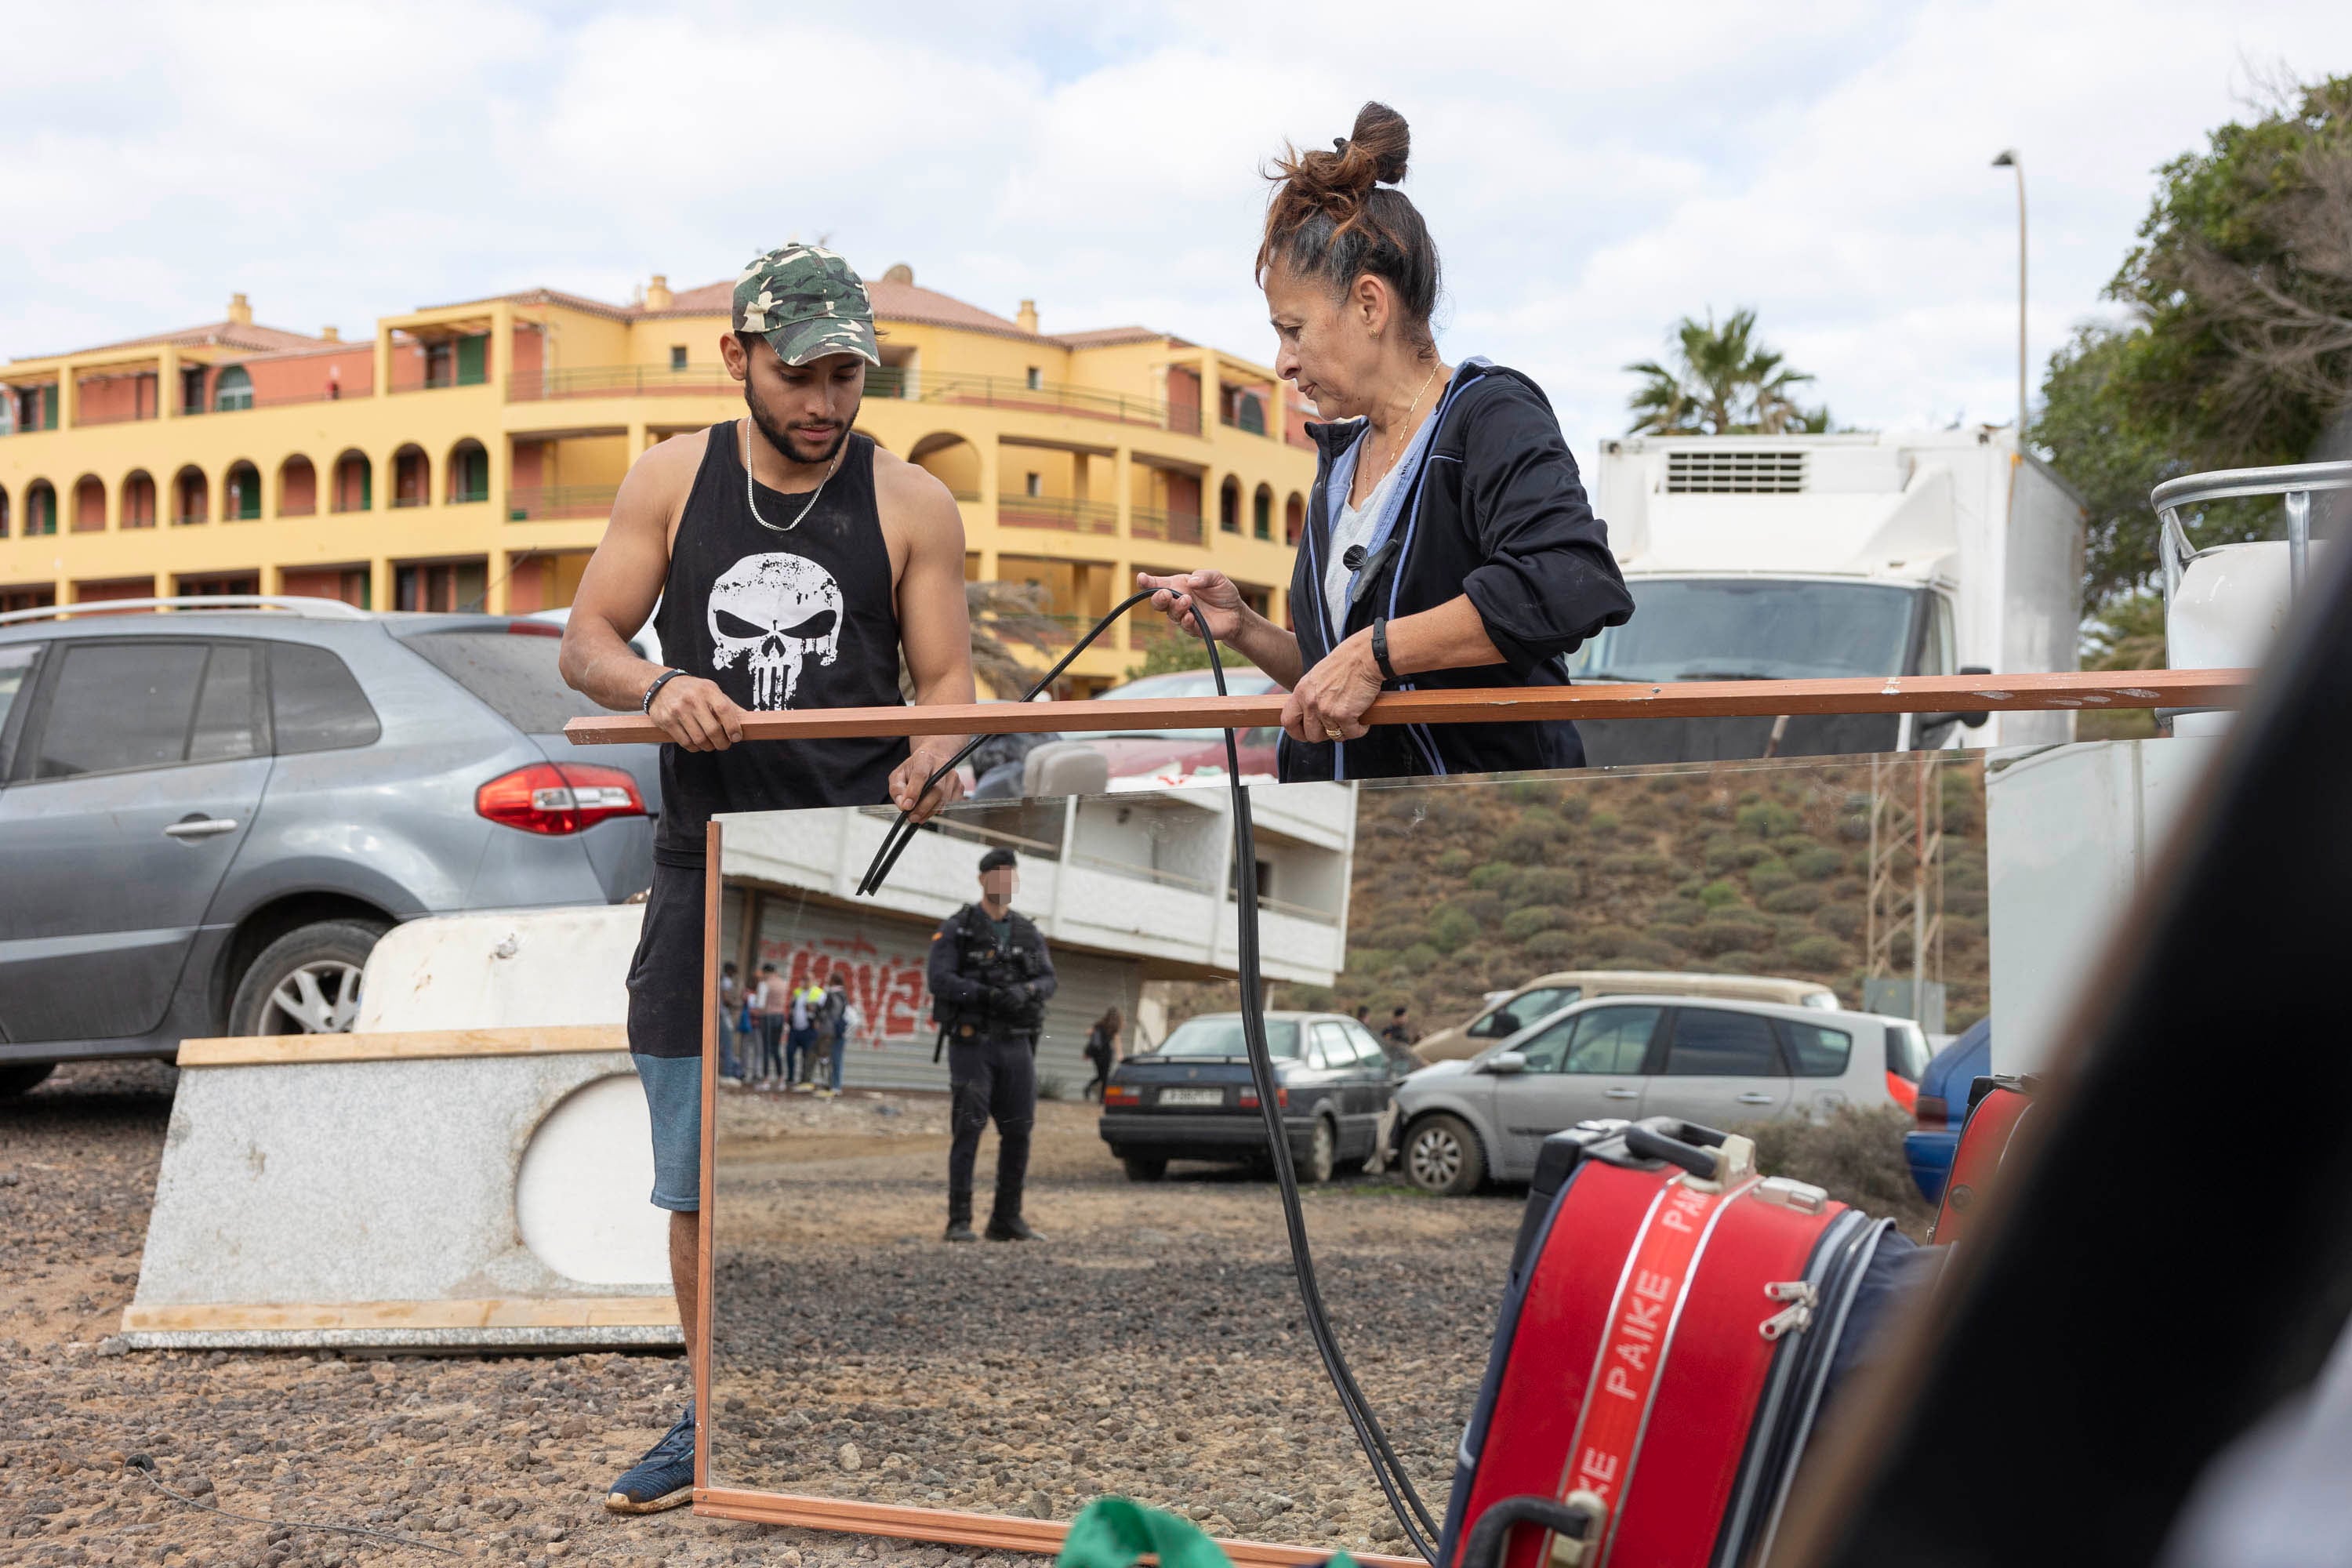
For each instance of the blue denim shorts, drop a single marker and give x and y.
(674, 1097)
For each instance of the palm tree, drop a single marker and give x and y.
(1002, 614)
(1725, 382)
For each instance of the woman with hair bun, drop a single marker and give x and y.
(1448, 541)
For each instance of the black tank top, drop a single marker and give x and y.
(798, 619)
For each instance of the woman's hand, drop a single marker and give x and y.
(1329, 701)
(1209, 595)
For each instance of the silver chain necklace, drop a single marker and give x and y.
(751, 501)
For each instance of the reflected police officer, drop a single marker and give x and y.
(991, 977)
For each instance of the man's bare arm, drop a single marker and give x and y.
(618, 591)
(934, 627)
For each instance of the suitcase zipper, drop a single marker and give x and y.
(1802, 1297)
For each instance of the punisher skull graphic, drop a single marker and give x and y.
(776, 610)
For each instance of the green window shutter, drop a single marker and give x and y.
(470, 358)
(367, 488)
(50, 401)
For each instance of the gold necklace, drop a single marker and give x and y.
(1404, 425)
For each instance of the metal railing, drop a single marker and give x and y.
(535, 503)
(1045, 397)
(1152, 874)
(1057, 511)
(2292, 482)
(1174, 527)
(661, 380)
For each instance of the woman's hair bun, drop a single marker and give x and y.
(1384, 140)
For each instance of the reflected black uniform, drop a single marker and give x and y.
(989, 981)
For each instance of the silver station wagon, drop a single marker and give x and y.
(1714, 1062)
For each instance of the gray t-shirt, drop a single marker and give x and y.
(1354, 527)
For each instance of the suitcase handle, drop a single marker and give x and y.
(1577, 1520)
(1651, 1144)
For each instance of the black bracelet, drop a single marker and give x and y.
(664, 678)
(1381, 648)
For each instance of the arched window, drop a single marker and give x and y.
(1294, 517)
(469, 472)
(4, 502)
(90, 504)
(298, 487)
(1250, 414)
(354, 483)
(952, 460)
(40, 508)
(1261, 513)
(1229, 505)
(412, 477)
(139, 499)
(243, 501)
(192, 498)
(232, 390)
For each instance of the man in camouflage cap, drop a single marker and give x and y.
(807, 303)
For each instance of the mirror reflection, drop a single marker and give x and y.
(1455, 968)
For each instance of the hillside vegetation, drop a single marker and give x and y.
(1748, 867)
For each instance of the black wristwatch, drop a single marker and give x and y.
(1381, 648)
(664, 678)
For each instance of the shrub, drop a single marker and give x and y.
(1549, 945)
(1393, 932)
(1719, 894)
(1767, 819)
(1494, 874)
(1449, 928)
(1963, 934)
(1484, 908)
(1521, 924)
(1719, 936)
(1797, 899)
(1574, 807)
(1453, 862)
(1853, 829)
(1612, 941)
(1789, 845)
(1844, 919)
(1770, 876)
(1820, 954)
(1689, 888)
(1755, 854)
(1855, 1155)
(1971, 905)
(1817, 864)
(1743, 960)
(1716, 808)
(1640, 865)
(1547, 885)
(1678, 912)
(1420, 958)
(1529, 791)
(1369, 960)
(1720, 854)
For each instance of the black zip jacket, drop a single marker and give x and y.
(1497, 512)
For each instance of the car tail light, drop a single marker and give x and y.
(1249, 1100)
(559, 797)
(1929, 1111)
(1902, 1090)
(1122, 1094)
(534, 629)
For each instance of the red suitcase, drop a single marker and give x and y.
(1996, 1109)
(1670, 1325)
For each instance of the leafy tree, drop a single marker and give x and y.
(1723, 381)
(2237, 351)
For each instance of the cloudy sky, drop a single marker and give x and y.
(1591, 173)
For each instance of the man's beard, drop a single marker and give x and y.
(788, 445)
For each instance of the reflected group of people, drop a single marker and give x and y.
(775, 1037)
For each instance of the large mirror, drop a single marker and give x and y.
(1780, 942)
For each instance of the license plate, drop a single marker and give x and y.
(1191, 1097)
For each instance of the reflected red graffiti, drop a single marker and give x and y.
(888, 988)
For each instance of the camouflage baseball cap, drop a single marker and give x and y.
(807, 303)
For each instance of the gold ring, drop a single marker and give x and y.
(1332, 733)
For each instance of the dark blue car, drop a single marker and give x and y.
(1943, 1106)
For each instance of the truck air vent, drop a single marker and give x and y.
(1734, 473)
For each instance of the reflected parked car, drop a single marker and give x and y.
(1942, 1108)
(1465, 1122)
(1508, 1011)
(1156, 757)
(1193, 1098)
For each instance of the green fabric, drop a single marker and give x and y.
(1113, 1531)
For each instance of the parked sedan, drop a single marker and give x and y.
(1714, 1063)
(1192, 1099)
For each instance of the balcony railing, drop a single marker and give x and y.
(1173, 527)
(538, 503)
(1059, 513)
(1046, 397)
(661, 380)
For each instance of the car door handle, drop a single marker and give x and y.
(200, 827)
(1752, 1098)
(1622, 1093)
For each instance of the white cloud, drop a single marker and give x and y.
(1591, 174)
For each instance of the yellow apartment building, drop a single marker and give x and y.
(466, 456)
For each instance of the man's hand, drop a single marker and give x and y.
(1330, 700)
(908, 776)
(696, 714)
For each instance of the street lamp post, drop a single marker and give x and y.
(2011, 160)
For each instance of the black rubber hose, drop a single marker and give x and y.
(1412, 1514)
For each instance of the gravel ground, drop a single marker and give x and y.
(1149, 1348)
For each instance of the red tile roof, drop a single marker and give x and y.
(213, 335)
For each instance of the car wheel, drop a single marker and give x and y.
(16, 1077)
(305, 983)
(1144, 1168)
(1441, 1156)
(1322, 1153)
